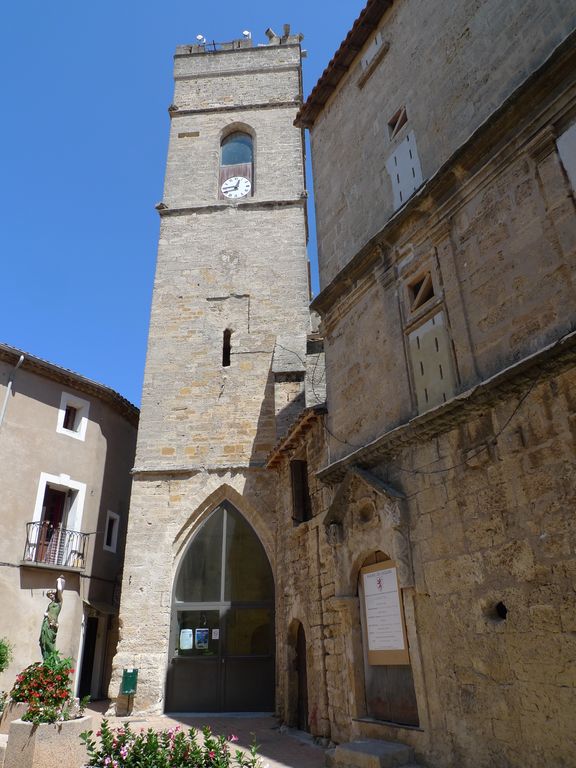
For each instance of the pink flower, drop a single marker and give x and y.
(212, 754)
(232, 737)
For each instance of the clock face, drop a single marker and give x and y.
(236, 186)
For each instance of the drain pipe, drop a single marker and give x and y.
(9, 388)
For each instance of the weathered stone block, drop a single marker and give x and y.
(46, 746)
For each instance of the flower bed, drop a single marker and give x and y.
(173, 748)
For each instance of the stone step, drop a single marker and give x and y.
(371, 753)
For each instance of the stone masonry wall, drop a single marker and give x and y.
(502, 254)
(491, 692)
(237, 265)
(451, 65)
(164, 517)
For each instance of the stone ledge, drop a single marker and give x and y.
(372, 753)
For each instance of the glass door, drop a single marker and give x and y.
(223, 622)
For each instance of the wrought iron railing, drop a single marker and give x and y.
(53, 545)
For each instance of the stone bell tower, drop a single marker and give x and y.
(231, 279)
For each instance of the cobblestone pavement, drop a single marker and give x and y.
(278, 747)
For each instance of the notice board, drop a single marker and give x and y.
(385, 630)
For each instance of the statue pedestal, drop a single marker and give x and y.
(46, 745)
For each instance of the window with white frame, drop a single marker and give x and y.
(73, 416)
(111, 531)
(54, 536)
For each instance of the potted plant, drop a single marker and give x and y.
(47, 733)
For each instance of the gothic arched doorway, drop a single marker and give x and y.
(222, 639)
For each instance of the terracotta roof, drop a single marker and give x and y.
(67, 377)
(300, 427)
(339, 65)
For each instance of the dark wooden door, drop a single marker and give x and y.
(88, 654)
(52, 518)
(302, 671)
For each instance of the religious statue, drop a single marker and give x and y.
(49, 627)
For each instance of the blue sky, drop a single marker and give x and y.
(84, 133)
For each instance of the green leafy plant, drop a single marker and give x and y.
(5, 653)
(46, 686)
(173, 748)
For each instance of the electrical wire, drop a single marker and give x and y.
(393, 464)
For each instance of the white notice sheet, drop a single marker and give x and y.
(383, 616)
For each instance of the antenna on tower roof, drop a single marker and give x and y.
(201, 39)
(247, 34)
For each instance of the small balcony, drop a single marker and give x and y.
(49, 545)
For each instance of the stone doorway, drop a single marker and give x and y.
(389, 685)
(222, 639)
(302, 676)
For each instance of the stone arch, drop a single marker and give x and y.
(296, 656)
(224, 492)
(222, 612)
(366, 512)
(237, 126)
(365, 557)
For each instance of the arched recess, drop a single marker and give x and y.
(297, 690)
(237, 151)
(389, 691)
(222, 630)
(367, 526)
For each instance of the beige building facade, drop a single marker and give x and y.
(66, 450)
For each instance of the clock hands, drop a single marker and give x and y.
(227, 188)
(236, 186)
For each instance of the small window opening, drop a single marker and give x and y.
(236, 166)
(111, 531)
(501, 610)
(421, 291)
(226, 348)
(70, 418)
(301, 503)
(397, 122)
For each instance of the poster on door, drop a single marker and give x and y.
(201, 638)
(186, 639)
(385, 633)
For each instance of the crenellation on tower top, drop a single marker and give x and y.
(239, 44)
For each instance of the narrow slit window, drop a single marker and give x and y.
(111, 531)
(226, 347)
(301, 502)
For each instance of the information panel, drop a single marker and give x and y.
(384, 621)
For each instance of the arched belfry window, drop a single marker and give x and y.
(223, 641)
(236, 166)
